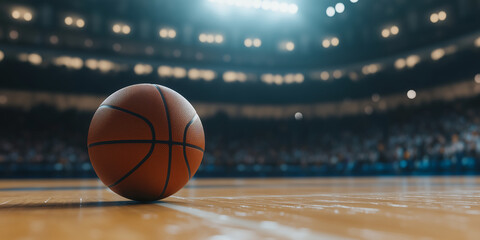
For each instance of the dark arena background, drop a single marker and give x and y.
(331, 119)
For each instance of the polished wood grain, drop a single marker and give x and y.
(217, 209)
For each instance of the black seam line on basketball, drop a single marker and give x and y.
(145, 141)
(169, 140)
(184, 147)
(152, 147)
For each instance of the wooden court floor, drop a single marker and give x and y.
(221, 209)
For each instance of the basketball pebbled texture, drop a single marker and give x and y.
(145, 142)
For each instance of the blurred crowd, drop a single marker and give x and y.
(441, 138)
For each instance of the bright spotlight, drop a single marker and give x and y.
(411, 94)
(292, 8)
(353, 1)
(15, 14)
(340, 7)
(442, 15)
(80, 23)
(218, 38)
(2, 56)
(27, 16)
(163, 33)
(210, 38)
(68, 21)
(385, 33)
(116, 27)
(35, 59)
(248, 42)
(477, 42)
(202, 37)
(330, 11)
(437, 54)
(400, 63)
(434, 18)
(172, 33)
(289, 46)
(335, 41)
(477, 78)
(324, 75)
(326, 43)
(337, 74)
(257, 42)
(266, 5)
(298, 116)
(126, 29)
(394, 30)
(412, 60)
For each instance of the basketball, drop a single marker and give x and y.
(145, 142)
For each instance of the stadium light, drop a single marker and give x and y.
(411, 94)
(164, 71)
(334, 41)
(229, 76)
(353, 1)
(73, 21)
(400, 63)
(298, 116)
(394, 30)
(390, 31)
(210, 38)
(477, 78)
(370, 69)
(339, 7)
(35, 59)
(337, 74)
(442, 15)
(385, 33)
(437, 54)
(69, 62)
(438, 16)
(121, 28)
(21, 14)
(167, 33)
(193, 74)
(252, 42)
(80, 23)
(179, 72)
(2, 56)
(324, 75)
(375, 97)
(327, 42)
(265, 5)
(412, 60)
(330, 11)
(477, 42)
(289, 46)
(267, 78)
(27, 16)
(143, 69)
(16, 14)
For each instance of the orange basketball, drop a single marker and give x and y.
(145, 142)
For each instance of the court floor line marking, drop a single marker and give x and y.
(265, 227)
(362, 195)
(48, 199)
(5, 202)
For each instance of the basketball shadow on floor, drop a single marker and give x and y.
(74, 205)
